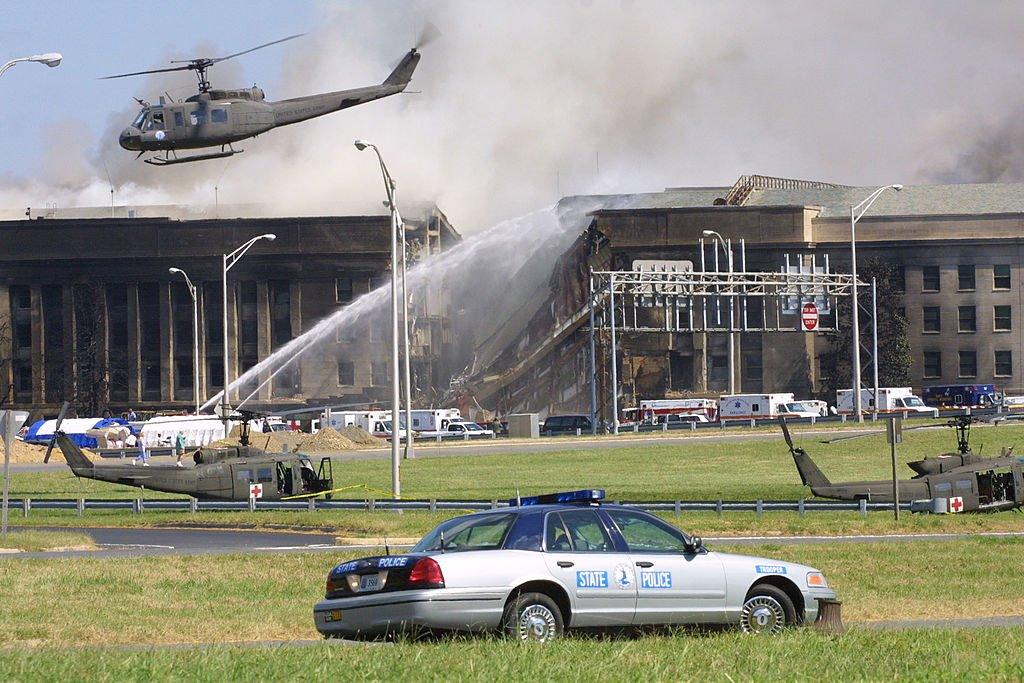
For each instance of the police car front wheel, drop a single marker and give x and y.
(767, 610)
(533, 617)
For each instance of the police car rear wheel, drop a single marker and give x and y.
(767, 610)
(533, 617)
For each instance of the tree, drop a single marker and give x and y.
(894, 354)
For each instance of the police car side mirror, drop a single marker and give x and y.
(695, 545)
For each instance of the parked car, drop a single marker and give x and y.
(685, 419)
(471, 428)
(563, 561)
(566, 424)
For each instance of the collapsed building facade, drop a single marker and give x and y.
(957, 247)
(89, 312)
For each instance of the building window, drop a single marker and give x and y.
(753, 367)
(965, 278)
(932, 364)
(968, 364)
(346, 373)
(932, 321)
(719, 371)
(1003, 318)
(930, 278)
(1004, 363)
(1001, 277)
(967, 319)
(343, 290)
(378, 373)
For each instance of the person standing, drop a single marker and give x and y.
(132, 417)
(179, 447)
(143, 457)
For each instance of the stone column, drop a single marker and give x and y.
(38, 369)
(263, 339)
(166, 343)
(134, 359)
(295, 297)
(67, 312)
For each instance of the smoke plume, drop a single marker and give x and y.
(520, 103)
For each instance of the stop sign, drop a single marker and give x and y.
(809, 317)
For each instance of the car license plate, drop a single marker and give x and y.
(334, 615)
(370, 582)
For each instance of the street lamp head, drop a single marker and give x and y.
(50, 59)
(896, 187)
(270, 237)
(172, 271)
(708, 233)
(362, 144)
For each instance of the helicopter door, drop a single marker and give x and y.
(284, 479)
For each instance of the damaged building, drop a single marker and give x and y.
(958, 249)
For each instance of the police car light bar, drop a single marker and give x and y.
(583, 496)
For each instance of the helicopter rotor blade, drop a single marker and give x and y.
(253, 49)
(785, 433)
(150, 71)
(428, 34)
(56, 429)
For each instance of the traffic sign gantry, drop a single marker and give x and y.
(809, 317)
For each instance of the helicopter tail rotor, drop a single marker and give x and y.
(428, 34)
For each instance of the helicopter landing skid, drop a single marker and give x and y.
(170, 160)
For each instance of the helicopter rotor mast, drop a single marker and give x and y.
(201, 64)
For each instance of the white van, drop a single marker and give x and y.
(890, 400)
(762, 406)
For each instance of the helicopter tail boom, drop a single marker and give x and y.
(77, 460)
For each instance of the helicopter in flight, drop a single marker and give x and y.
(968, 482)
(217, 118)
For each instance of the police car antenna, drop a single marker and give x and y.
(519, 499)
(387, 548)
(442, 541)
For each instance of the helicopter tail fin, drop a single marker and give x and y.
(77, 460)
(403, 72)
(810, 474)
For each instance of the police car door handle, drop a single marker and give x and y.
(564, 564)
(645, 564)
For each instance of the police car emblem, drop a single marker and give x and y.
(623, 576)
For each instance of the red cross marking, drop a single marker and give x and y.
(956, 504)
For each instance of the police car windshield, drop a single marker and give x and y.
(473, 532)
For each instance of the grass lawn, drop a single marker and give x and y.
(32, 540)
(697, 470)
(269, 597)
(989, 654)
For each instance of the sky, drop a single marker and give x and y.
(519, 103)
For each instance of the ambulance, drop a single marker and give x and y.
(763, 406)
(890, 400)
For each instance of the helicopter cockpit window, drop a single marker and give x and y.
(264, 476)
(219, 116)
(140, 119)
(155, 120)
(197, 118)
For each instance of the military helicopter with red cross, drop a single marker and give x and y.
(967, 482)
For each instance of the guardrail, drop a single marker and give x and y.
(141, 505)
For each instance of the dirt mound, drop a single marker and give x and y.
(273, 442)
(360, 436)
(26, 452)
(327, 440)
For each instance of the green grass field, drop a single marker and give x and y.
(699, 470)
(989, 655)
(220, 599)
(32, 540)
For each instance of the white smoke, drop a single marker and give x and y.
(524, 102)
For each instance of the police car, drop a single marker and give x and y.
(559, 561)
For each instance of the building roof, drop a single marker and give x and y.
(834, 201)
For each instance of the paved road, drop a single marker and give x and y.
(140, 541)
(502, 446)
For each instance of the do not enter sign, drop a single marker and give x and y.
(809, 317)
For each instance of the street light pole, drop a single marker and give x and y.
(195, 333)
(727, 248)
(229, 260)
(50, 59)
(389, 186)
(409, 452)
(856, 213)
